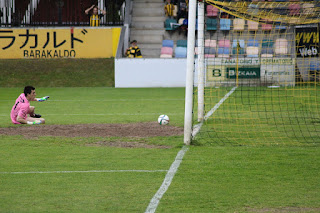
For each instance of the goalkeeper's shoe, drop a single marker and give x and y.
(34, 122)
(36, 116)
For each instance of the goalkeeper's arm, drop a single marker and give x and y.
(42, 99)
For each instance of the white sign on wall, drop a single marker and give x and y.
(279, 71)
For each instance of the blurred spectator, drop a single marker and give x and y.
(95, 17)
(182, 13)
(133, 51)
(168, 8)
(183, 4)
(182, 9)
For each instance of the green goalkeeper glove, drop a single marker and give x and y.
(43, 98)
(34, 122)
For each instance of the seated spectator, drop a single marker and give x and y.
(182, 13)
(182, 9)
(169, 8)
(95, 17)
(187, 4)
(133, 51)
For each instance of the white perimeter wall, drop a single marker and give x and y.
(150, 72)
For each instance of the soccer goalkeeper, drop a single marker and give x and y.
(21, 109)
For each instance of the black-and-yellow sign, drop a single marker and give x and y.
(46, 43)
(307, 42)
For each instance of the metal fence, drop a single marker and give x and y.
(15, 13)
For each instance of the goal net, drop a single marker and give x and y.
(257, 73)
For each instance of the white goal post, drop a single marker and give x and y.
(191, 66)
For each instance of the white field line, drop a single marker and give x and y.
(89, 171)
(175, 165)
(167, 181)
(198, 126)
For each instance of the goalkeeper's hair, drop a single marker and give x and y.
(27, 90)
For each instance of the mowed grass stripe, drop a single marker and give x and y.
(92, 105)
(89, 171)
(111, 100)
(110, 114)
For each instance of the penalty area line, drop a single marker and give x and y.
(89, 171)
(197, 127)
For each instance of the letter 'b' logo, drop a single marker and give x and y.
(216, 73)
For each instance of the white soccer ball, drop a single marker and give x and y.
(163, 119)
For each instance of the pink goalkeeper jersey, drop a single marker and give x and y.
(21, 108)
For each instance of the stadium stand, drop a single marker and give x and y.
(252, 48)
(281, 47)
(253, 8)
(267, 48)
(267, 43)
(21, 9)
(171, 24)
(238, 24)
(61, 14)
(282, 10)
(211, 24)
(148, 26)
(307, 8)
(224, 48)
(280, 27)
(267, 53)
(180, 52)
(209, 52)
(166, 52)
(294, 9)
(266, 27)
(315, 69)
(212, 11)
(223, 52)
(225, 24)
(210, 43)
(182, 43)
(167, 43)
(218, 23)
(238, 47)
(253, 26)
(224, 43)
(57, 13)
(51, 13)
(210, 48)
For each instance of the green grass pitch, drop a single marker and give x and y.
(210, 179)
(218, 178)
